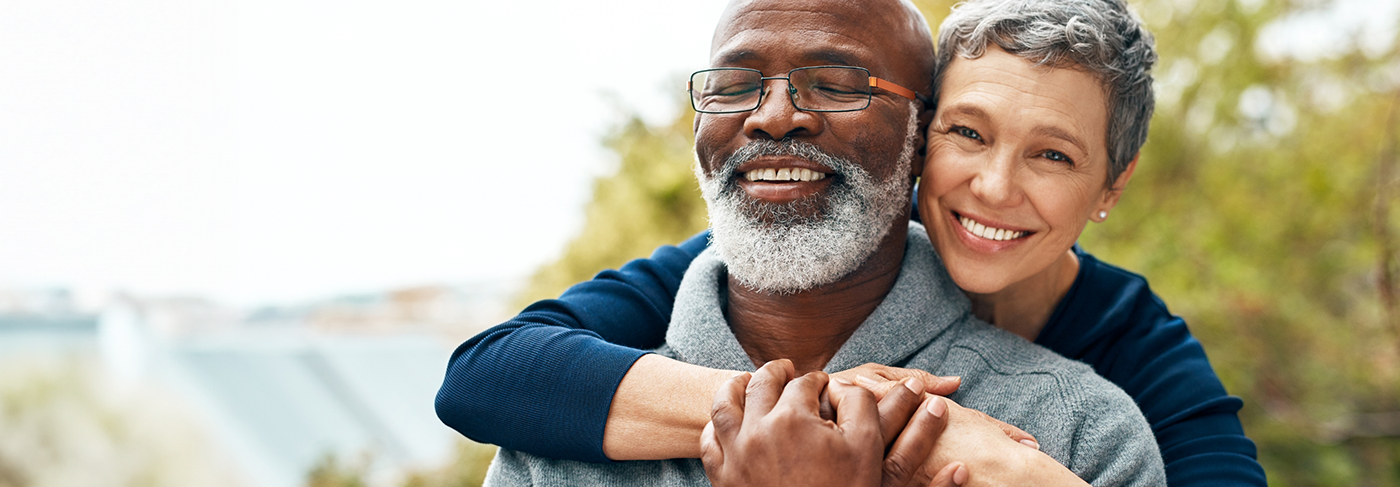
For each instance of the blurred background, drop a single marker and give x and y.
(239, 239)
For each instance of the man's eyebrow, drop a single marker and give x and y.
(736, 57)
(829, 57)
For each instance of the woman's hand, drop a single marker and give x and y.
(979, 441)
(880, 379)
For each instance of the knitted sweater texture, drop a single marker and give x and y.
(1080, 419)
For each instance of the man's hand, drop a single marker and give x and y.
(767, 429)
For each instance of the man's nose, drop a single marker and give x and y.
(995, 182)
(777, 118)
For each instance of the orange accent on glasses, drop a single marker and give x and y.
(891, 87)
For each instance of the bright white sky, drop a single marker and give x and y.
(261, 150)
(280, 150)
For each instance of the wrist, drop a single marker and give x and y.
(660, 408)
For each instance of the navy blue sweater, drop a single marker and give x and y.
(542, 382)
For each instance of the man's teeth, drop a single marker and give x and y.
(784, 174)
(989, 233)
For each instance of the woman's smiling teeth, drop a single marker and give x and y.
(784, 174)
(987, 232)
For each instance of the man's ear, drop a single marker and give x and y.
(1115, 191)
(925, 118)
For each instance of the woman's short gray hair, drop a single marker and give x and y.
(1102, 37)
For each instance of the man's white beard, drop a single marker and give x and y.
(784, 249)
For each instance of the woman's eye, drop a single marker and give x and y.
(1058, 156)
(967, 132)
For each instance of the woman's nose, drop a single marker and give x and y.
(995, 182)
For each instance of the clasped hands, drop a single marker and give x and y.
(868, 426)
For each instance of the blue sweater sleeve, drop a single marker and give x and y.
(1111, 320)
(543, 382)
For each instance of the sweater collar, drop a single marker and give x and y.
(923, 303)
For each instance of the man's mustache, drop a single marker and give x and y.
(786, 147)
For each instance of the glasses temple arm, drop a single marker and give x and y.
(899, 90)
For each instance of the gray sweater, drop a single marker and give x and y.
(925, 322)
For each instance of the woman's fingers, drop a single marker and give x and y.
(952, 475)
(878, 379)
(942, 386)
(905, 461)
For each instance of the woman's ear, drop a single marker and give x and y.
(1115, 191)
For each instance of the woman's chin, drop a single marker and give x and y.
(979, 281)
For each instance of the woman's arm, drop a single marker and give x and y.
(567, 379)
(544, 382)
(1130, 338)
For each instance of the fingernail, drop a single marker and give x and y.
(914, 386)
(842, 380)
(1031, 444)
(960, 475)
(866, 380)
(936, 407)
(953, 378)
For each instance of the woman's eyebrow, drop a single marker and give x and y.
(1062, 134)
(964, 109)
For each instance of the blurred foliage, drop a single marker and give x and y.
(651, 200)
(1260, 213)
(61, 425)
(1265, 210)
(466, 468)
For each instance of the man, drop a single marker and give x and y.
(812, 260)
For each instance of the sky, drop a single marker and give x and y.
(263, 151)
(259, 151)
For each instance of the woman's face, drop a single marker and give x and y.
(1017, 162)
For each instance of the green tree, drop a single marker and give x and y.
(652, 200)
(1258, 212)
(466, 468)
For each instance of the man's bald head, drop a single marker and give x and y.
(894, 29)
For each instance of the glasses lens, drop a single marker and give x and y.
(725, 90)
(831, 88)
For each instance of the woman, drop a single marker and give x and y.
(1017, 167)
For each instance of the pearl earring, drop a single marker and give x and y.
(1103, 215)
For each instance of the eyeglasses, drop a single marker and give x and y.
(812, 89)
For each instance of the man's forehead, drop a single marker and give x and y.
(753, 47)
(794, 33)
(832, 17)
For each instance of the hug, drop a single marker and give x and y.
(824, 331)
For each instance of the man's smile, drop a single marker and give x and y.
(784, 174)
(780, 180)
